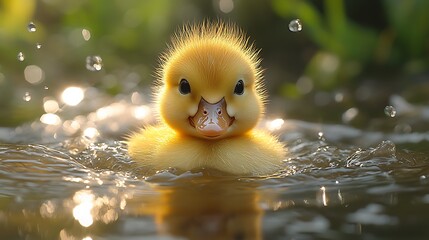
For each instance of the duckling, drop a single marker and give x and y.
(209, 96)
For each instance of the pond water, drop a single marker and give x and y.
(74, 180)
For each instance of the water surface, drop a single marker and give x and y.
(337, 183)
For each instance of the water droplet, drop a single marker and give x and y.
(295, 25)
(321, 136)
(86, 34)
(94, 63)
(31, 27)
(27, 97)
(390, 111)
(38, 45)
(21, 56)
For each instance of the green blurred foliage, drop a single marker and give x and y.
(127, 34)
(342, 42)
(347, 49)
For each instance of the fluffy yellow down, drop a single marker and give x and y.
(214, 58)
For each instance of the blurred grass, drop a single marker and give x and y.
(403, 40)
(345, 47)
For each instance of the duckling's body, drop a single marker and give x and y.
(210, 98)
(253, 153)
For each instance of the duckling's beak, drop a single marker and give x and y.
(212, 119)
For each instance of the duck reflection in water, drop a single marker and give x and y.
(207, 209)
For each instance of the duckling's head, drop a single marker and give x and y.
(210, 82)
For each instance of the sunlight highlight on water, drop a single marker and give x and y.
(91, 133)
(82, 211)
(47, 209)
(321, 136)
(72, 96)
(275, 124)
(324, 198)
(50, 119)
(141, 112)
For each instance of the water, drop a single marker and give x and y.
(31, 27)
(94, 63)
(21, 56)
(27, 97)
(68, 176)
(390, 111)
(74, 180)
(86, 34)
(295, 25)
(72, 96)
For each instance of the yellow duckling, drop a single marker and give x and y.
(210, 97)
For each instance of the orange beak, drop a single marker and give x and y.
(212, 119)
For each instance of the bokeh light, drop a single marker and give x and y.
(141, 112)
(34, 74)
(50, 119)
(91, 133)
(72, 96)
(51, 106)
(82, 211)
(275, 124)
(226, 6)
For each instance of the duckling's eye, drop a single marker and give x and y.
(239, 87)
(184, 87)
